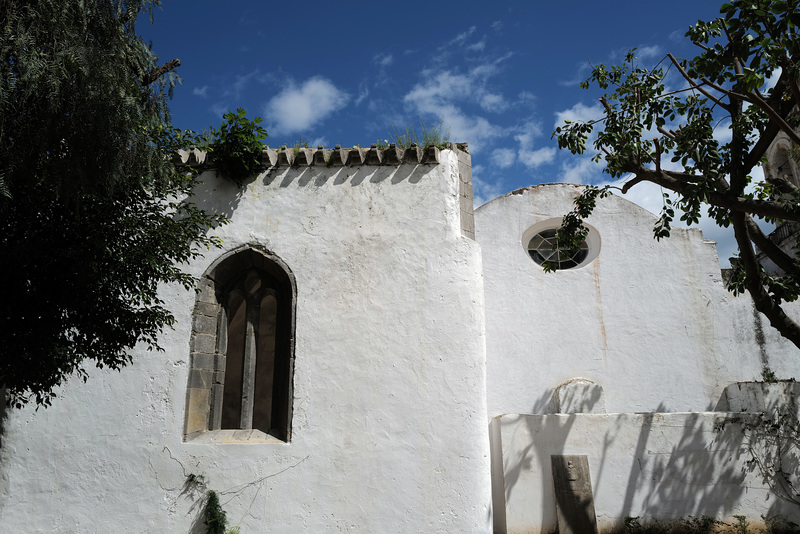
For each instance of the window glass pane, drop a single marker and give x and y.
(234, 361)
(548, 233)
(543, 248)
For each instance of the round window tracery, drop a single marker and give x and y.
(543, 249)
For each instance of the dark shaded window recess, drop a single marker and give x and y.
(243, 349)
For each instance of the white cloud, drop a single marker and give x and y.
(497, 25)
(202, 92)
(219, 108)
(363, 93)
(460, 38)
(528, 154)
(535, 158)
(482, 191)
(493, 102)
(298, 108)
(649, 52)
(503, 157)
(477, 47)
(475, 130)
(770, 82)
(440, 94)
(383, 60)
(580, 170)
(579, 113)
(678, 35)
(581, 73)
(460, 97)
(722, 132)
(242, 80)
(443, 86)
(485, 70)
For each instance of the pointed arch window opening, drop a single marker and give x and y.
(251, 306)
(241, 371)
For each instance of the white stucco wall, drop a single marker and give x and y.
(662, 465)
(648, 321)
(389, 428)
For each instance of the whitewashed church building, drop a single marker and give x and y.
(367, 353)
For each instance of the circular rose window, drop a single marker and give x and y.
(543, 248)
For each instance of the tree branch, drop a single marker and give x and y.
(784, 126)
(761, 299)
(783, 185)
(155, 74)
(772, 128)
(695, 85)
(658, 154)
(761, 103)
(666, 133)
(773, 251)
(678, 182)
(627, 186)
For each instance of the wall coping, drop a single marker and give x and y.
(332, 157)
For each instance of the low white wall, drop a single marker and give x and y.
(662, 465)
(389, 429)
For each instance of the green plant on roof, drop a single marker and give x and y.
(236, 149)
(300, 143)
(437, 136)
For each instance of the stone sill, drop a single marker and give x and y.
(224, 437)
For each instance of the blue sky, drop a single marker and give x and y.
(501, 76)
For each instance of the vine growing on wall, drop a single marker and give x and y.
(215, 516)
(772, 438)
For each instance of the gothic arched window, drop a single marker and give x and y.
(242, 350)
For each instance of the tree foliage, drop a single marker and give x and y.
(236, 146)
(664, 124)
(94, 213)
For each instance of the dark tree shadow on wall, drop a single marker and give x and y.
(680, 465)
(194, 489)
(771, 445)
(216, 195)
(507, 482)
(3, 417)
(700, 475)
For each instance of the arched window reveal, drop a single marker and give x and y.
(250, 387)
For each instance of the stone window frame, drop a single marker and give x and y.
(208, 344)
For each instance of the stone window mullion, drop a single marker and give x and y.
(250, 356)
